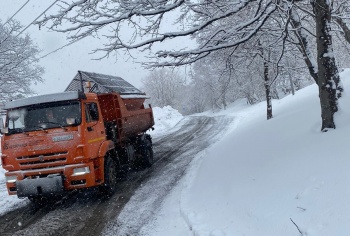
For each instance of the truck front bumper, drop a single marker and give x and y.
(50, 180)
(40, 186)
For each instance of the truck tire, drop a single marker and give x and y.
(109, 186)
(147, 153)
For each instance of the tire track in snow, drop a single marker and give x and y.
(146, 201)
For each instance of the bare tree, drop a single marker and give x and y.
(18, 63)
(196, 100)
(324, 70)
(212, 74)
(212, 19)
(164, 87)
(219, 25)
(340, 16)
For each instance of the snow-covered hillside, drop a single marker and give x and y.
(276, 177)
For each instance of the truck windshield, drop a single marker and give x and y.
(43, 116)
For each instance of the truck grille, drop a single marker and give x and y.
(45, 160)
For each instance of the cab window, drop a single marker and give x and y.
(91, 112)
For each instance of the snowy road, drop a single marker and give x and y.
(137, 199)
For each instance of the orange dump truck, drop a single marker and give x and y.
(80, 138)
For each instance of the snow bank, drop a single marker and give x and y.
(268, 174)
(165, 119)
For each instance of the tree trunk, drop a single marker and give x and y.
(328, 76)
(291, 84)
(304, 45)
(267, 90)
(224, 101)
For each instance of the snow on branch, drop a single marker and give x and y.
(18, 62)
(147, 23)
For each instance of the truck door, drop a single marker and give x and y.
(94, 131)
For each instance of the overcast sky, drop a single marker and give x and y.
(61, 67)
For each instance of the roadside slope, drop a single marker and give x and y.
(266, 177)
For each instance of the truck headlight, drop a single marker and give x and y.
(81, 171)
(11, 178)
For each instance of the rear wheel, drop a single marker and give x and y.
(147, 153)
(110, 177)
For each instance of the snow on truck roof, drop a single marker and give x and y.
(101, 83)
(43, 99)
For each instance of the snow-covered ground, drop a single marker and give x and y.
(276, 177)
(266, 178)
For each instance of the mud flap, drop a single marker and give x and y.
(40, 186)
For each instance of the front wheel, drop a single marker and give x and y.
(110, 177)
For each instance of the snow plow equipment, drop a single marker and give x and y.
(83, 137)
(40, 186)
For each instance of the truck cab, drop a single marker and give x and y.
(51, 143)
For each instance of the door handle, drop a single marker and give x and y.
(90, 129)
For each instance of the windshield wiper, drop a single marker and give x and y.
(55, 123)
(34, 127)
(16, 131)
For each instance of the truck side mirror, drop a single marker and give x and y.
(4, 130)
